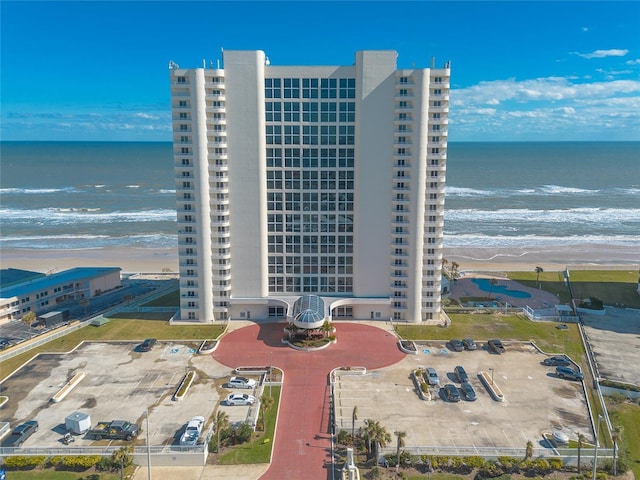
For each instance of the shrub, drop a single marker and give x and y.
(79, 462)
(555, 463)
(22, 462)
(343, 437)
(475, 461)
(105, 464)
(53, 461)
(602, 476)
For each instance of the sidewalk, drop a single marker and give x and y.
(207, 472)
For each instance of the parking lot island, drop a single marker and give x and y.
(492, 386)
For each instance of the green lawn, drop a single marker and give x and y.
(552, 282)
(50, 474)
(171, 299)
(117, 329)
(627, 415)
(611, 286)
(258, 450)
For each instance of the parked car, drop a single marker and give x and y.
(451, 393)
(556, 361)
(569, 373)
(241, 382)
(468, 391)
(147, 345)
(456, 345)
(469, 344)
(4, 343)
(432, 376)
(192, 432)
(239, 399)
(496, 346)
(20, 434)
(461, 374)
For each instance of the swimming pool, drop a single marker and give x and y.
(484, 284)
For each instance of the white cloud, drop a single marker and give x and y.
(633, 62)
(614, 52)
(546, 108)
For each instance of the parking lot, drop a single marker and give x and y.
(119, 383)
(536, 401)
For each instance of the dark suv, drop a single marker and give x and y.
(569, 373)
(20, 434)
(556, 362)
(147, 345)
(496, 346)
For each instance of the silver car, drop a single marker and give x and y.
(240, 399)
(432, 376)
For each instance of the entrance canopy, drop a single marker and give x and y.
(308, 312)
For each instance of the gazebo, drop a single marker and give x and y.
(309, 318)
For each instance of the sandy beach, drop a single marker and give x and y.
(154, 260)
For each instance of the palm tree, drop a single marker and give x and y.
(354, 417)
(400, 436)
(445, 262)
(528, 453)
(581, 439)
(539, 270)
(454, 269)
(28, 318)
(266, 401)
(123, 457)
(220, 423)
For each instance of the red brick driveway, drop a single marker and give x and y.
(302, 446)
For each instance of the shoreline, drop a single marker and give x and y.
(156, 260)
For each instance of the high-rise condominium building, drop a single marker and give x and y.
(310, 180)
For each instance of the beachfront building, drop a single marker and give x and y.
(23, 291)
(310, 180)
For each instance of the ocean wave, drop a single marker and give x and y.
(167, 190)
(505, 241)
(569, 215)
(65, 241)
(37, 191)
(83, 215)
(542, 190)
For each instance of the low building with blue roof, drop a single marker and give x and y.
(42, 294)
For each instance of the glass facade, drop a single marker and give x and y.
(310, 136)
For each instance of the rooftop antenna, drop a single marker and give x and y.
(267, 62)
(433, 62)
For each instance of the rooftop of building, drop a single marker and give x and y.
(42, 282)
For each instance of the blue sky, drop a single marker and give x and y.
(521, 71)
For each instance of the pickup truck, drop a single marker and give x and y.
(114, 430)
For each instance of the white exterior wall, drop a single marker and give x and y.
(375, 80)
(244, 81)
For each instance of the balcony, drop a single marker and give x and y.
(218, 167)
(215, 96)
(439, 121)
(220, 256)
(216, 109)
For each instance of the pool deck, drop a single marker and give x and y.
(465, 287)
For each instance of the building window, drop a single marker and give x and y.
(328, 112)
(291, 111)
(273, 111)
(347, 112)
(274, 134)
(310, 134)
(310, 112)
(291, 88)
(347, 88)
(272, 88)
(328, 87)
(309, 88)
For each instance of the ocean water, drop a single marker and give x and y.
(69, 195)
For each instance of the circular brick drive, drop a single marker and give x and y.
(302, 447)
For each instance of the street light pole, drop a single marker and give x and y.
(270, 371)
(491, 370)
(148, 448)
(595, 457)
